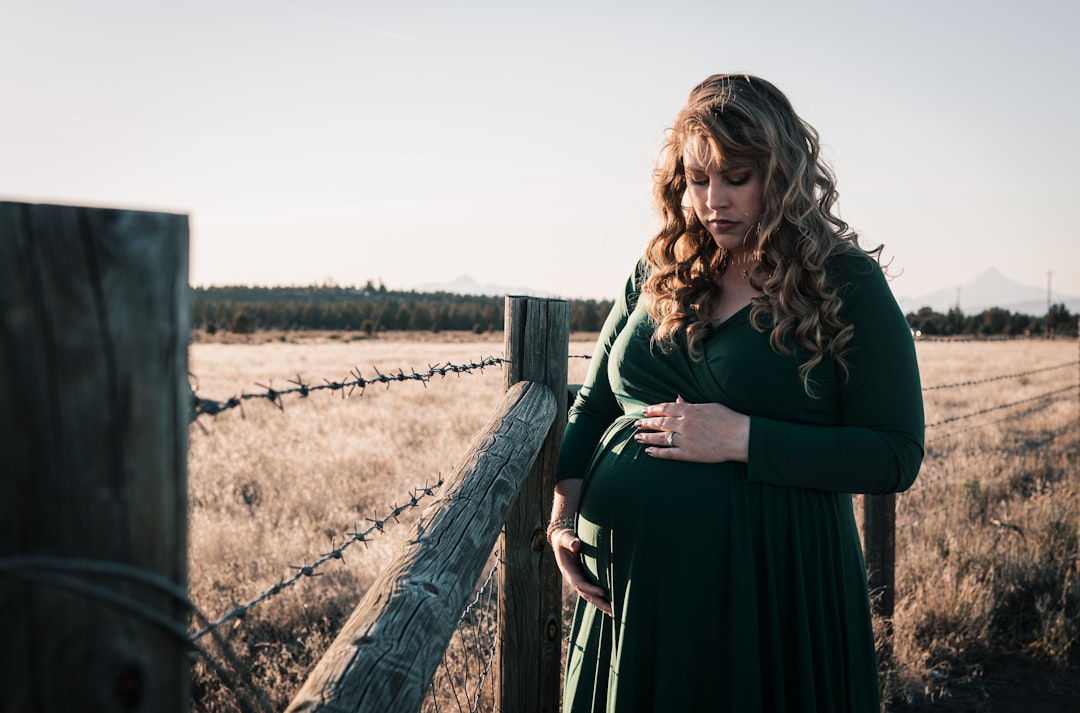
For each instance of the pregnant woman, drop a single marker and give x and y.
(753, 374)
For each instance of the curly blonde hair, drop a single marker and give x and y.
(747, 120)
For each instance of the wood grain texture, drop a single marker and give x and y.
(386, 653)
(94, 325)
(529, 649)
(879, 546)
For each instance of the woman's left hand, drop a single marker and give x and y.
(703, 433)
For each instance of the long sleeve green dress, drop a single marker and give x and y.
(738, 586)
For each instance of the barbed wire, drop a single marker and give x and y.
(248, 697)
(979, 340)
(923, 485)
(241, 610)
(1028, 446)
(990, 409)
(1011, 417)
(347, 387)
(1000, 378)
(201, 405)
(70, 573)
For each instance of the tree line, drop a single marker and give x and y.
(993, 322)
(374, 308)
(369, 309)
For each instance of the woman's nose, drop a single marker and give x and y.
(719, 196)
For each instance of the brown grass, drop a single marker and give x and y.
(987, 539)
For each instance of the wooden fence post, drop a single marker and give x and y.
(94, 405)
(529, 649)
(879, 546)
(385, 655)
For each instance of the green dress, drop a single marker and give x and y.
(738, 586)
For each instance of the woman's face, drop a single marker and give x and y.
(725, 195)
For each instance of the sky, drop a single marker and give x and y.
(341, 141)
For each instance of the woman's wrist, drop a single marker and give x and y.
(567, 522)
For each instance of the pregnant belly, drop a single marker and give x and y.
(630, 500)
(666, 515)
(626, 488)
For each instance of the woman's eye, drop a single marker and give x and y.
(739, 180)
(698, 180)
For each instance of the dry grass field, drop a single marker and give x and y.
(988, 539)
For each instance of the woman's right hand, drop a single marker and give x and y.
(567, 547)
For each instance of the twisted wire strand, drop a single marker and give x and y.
(379, 524)
(990, 409)
(248, 697)
(65, 573)
(478, 602)
(201, 405)
(491, 649)
(978, 340)
(1011, 417)
(922, 485)
(1048, 437)
(990, 379)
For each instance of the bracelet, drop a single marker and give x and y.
(561, 523)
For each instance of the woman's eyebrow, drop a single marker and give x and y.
(725, 167)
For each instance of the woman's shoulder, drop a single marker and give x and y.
(641, 272)
(851, 263)
(857, 275)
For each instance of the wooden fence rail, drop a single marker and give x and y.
(387, 652)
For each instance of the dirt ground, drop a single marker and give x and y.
(1007, 686)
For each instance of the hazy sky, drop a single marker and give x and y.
(413, 142)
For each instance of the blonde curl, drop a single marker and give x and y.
(747, 119)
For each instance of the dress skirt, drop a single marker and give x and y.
(727, 595)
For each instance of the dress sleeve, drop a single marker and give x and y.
(595, 406)
(879, 443)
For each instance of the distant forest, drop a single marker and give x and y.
(993, 322)
(372, 309)
(369, 309)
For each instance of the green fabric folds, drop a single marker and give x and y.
(738, 586)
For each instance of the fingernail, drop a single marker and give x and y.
(637, 424)
(639, 437)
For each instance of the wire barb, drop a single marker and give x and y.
(201, 405)
(310, 570)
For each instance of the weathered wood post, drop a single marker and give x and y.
(879, 546)
(537, 343)
(94, 404)
(385, 655)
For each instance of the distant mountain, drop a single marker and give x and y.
(990, 289)
(466, 285)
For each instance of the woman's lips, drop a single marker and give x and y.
(723, 226)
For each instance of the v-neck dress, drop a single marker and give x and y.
(738, 586)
